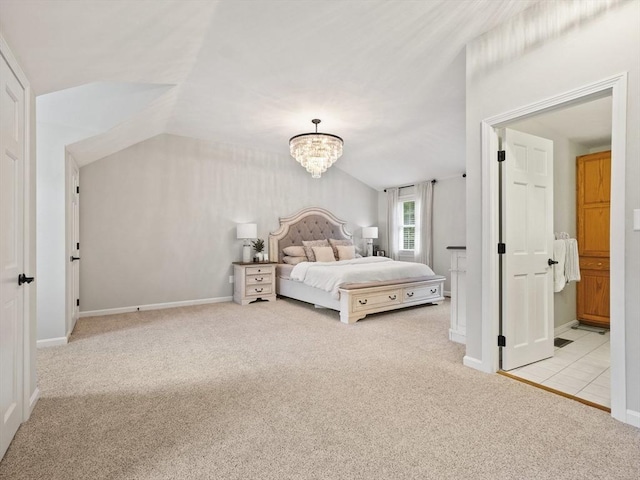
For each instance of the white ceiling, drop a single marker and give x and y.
(588, 124)
(388, 77)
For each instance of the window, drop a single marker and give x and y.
(408, 225)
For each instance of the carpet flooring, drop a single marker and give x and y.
(285, 391)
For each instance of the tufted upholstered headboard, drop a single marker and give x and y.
(311, 223)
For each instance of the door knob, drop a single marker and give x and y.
(551, 262)
(73, 259)
(22, 278)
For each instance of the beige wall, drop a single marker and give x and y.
(158, 219)
(448, 223)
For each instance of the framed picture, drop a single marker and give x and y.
(380, 253)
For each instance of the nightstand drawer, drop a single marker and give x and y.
(258, 270)
(257, 290)
(258, 279)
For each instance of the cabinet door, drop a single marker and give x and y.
(593, 175)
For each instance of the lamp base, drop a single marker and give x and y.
(246, 253)
(369, 248)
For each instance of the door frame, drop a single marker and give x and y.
(616, 87)
(30, 397)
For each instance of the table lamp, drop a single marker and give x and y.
(246, 231)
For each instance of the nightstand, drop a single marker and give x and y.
(253, 281)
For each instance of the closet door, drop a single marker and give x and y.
(594, 194)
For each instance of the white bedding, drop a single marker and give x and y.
(328, 276)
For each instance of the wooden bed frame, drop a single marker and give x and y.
(356, 300)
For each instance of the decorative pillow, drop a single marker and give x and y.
(346, 252)
(294, 260)
(335, 243)
(308, 247)
(294, 251)
(324, 254)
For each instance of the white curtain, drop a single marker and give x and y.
(424, 212)
(392, 223)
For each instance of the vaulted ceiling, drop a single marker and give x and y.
(387, 76)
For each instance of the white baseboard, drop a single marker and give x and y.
(633, 418)
(153, 306)
(35, 396)
(446, 293)
(564, 327)
(52, 342)
(474, 363)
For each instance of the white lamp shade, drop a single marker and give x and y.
(247, 230)
(370, 232)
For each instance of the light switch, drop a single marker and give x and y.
(636, 219)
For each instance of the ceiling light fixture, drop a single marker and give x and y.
(316, 151)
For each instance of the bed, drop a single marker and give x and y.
(354, 299)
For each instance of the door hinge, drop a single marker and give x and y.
(502, 248)
(502, 155)
(502, 341)
(77, 189)
(77, 302)
(78, 246)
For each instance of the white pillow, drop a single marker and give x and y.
(294, 260)
(324, 254)
(294, 251)
(308, 247)
(346, 252)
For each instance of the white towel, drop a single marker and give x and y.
(559, 255)
(572, 262)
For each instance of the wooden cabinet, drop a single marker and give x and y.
(253, 281)
(458, 329)
(593, 176)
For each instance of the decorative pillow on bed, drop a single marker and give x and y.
(294, 251)
(308, 247)
(346, 252)
(324, 254)
(334, 244)
(294, 260)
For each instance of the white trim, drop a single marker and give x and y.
(33, 400)
(153, 306)
(52, 342)
(565, 327)
(447, 293)
(617, 86)
(633, 418)
(468, 361)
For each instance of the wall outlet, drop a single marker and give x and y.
(230, 278)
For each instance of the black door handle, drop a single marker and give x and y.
(551, 262)
(22, 278)
(73, 259)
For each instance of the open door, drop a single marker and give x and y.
(73, 244)
(527, 232)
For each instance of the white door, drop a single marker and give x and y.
(73, 239)
(11, 253)
(527, 232)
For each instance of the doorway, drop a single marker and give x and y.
(579, 363)
(616, 88)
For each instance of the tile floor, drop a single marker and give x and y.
(580, 368)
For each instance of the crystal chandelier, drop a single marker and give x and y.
(316, 151)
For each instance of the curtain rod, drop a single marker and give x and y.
(434, 181)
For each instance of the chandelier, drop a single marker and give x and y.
(316, 151)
